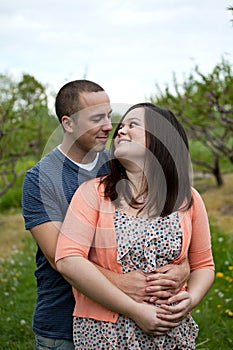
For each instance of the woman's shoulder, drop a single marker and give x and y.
(196, 195)
(93, 187)
(198, 206)
(94, 183)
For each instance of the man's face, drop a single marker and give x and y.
(92, 123)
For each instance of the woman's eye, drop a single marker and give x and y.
(133, 124)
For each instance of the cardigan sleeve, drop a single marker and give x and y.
(79, 227)
(88, 231)
(89, 224)
(200, 251)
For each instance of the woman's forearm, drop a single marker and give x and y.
(86, 278)
(199, 284)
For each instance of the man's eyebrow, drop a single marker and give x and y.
(101, 114)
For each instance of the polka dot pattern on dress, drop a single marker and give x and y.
(143, 244)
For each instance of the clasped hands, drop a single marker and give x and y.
(160, 290)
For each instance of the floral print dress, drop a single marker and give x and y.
(143, 244)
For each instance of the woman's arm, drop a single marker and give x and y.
(162, 283)
(199, 284)
(86, 278)
(201, 263)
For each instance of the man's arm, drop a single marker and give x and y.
(91, 282)
(46, 235)
(166, 281)
(133, 283)
(163, 283)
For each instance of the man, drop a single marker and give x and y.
(83, 109)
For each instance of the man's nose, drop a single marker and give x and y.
(107, 125)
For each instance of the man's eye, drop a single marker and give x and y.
(97, 119)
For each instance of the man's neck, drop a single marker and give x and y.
(76, 154)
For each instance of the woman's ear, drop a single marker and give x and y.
(67, 123)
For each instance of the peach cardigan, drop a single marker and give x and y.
(88, 231)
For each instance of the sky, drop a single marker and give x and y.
(127, 46)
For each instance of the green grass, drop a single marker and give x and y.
(214, 314)
(17, 298)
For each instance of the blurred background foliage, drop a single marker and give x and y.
(202, 102)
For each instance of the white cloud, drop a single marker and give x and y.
(125, 45)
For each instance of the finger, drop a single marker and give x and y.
(155, 276)
(147, 299)
(160, 279)
(173, 309)
(166, 324)
(163, 296)
(178, 297)
(174, 318)
(161, 330)
(161, 287)
(159, 333)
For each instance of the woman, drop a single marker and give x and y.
(142, 215)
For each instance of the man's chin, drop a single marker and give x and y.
(100, 146)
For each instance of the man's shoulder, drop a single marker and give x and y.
(47, 161)
(46, 170)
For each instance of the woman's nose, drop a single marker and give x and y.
(122, 130)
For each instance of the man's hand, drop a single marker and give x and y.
(161, 284)
(144, 287)
(167, 280)
(134, 285)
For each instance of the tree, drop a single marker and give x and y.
(230, 8)
(204, 104)
(25, 124)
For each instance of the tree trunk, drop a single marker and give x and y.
(217, 173)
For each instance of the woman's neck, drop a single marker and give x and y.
(137, 180)
(137, 183)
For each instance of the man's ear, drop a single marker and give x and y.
(67, 123)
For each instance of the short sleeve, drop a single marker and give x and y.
(39, 202)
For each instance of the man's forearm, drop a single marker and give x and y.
(133, 283)
(113, 277)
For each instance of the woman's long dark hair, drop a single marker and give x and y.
(166, 166)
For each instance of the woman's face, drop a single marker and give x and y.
(130, 142)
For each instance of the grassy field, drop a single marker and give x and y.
(17, 284)
(17, 295)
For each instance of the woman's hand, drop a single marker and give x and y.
(177, 312)
(146, 317)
